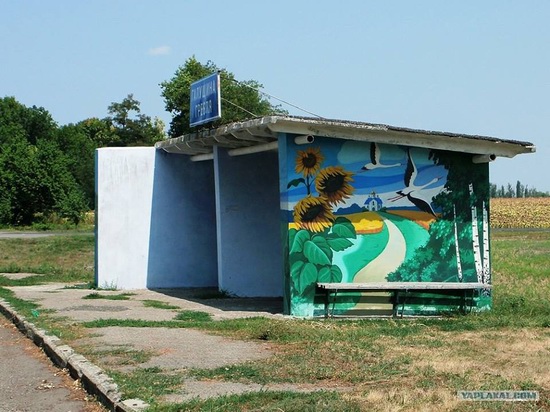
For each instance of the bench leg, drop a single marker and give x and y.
(327, 293)
(395, 303)
(334, 302)
(404, 301)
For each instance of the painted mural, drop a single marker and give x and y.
(368, 212)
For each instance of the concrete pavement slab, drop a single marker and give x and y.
(171, 349)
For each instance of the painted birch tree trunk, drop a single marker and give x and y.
(457, 248)
(486, 256)
(475, 240)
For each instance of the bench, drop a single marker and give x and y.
(399, 288)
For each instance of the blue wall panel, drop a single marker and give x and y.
(182, 247)
(248, 214)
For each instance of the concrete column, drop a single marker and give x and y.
(124, 190)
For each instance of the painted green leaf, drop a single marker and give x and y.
(343, 220)
(315, 254)
(308, 277)
(295, 270)
(347, 223)
(295, 182)
(298, 243)
(325, 275)
(295, 257)
(322, 243)
(291, 236)
(335, 274)
(344, 231)
(339, 244)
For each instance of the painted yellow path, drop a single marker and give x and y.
(387, 261)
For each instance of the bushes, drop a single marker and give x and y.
(35, 178)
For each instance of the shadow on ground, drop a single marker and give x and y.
(213, 298)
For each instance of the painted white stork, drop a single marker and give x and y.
(375, 159)
(411, 191)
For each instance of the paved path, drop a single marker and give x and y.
(29, 382)
(34, 235)
(387, 261)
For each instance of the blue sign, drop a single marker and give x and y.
(205, 100)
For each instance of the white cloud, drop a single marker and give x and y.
(159, 51)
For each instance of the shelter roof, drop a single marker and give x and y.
(265, 131)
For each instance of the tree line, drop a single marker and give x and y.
(47, 169)
(519, 190)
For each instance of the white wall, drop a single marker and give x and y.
(156, 220)
(124, 189)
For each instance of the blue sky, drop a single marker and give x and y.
(477, 67)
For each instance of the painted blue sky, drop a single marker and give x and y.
(385, 182)
(476, 67)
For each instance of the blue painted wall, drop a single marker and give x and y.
(182, 245)
(250, 260)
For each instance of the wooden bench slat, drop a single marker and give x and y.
(404, 286)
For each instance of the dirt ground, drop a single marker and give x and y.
(30, 382)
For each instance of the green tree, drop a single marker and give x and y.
(455, 203)
(510, 190)
(236, 96)
(493, 190)
(520, 189)
(79, 150)
(99, 131)
(34, 173)
(130, 126)
(18, 121)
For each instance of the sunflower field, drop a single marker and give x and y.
(529, 212)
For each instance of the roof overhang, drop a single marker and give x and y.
(264, 130)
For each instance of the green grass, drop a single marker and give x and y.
(116, 356)
(184, 319)
(22, 307)
(119, 296)
(323, 401)
(42, 318)
(387, 360)
(67, 258)
(151, 303)
(134, 323)
(146, 383)
(193, 316)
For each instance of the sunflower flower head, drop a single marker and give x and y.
(313, 214)
(308, 162)
(333, 183)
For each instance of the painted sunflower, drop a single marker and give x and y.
(313, 214)
(308, 162)
(333, 183)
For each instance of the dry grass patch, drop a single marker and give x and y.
(392, 398)
(514, 355)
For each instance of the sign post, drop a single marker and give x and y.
(205, 100)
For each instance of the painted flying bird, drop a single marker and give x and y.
(411, 191)
(375, 159)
